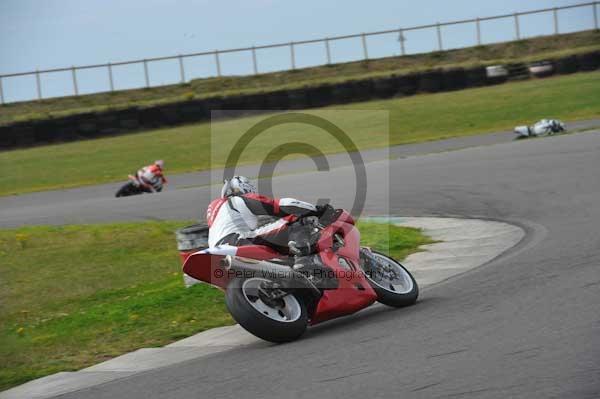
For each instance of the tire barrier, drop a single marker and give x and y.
(541, 69)
(115, 122)
(319, 96)
(344, 92)
(475, 77)
(385, 87)
(496, 74)
(518, 71)
(454, 79)
(431, 81)
(567, 65)
(408, 85)
(589, 61)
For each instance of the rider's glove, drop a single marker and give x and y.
(321, 209)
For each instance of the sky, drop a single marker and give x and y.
(45, 34)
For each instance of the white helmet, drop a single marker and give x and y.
(238, 185)
(160, 163)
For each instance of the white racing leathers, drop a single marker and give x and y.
(236, 218)
(542, 128)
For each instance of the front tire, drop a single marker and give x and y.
(127, 189)
(274, 323)
(393, 284)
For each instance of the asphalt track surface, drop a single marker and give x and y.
(526, 325)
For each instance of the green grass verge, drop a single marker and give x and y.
(411, 119)
(77, 295)
(534, 49)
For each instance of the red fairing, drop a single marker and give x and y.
(346, 217)
(354, 291)
(207, 268)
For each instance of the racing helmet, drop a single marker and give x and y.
(238, 185)
(160, 163)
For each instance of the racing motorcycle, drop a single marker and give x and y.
(325, 275)
(136, 186)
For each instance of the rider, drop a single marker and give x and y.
(152, 175)
(233, 218)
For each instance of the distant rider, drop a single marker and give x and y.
(233, 218)
(152, 176)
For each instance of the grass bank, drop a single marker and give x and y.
(77, 295)
(411, 119)
(534, 49)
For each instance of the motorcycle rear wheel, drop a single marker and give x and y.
(398, 290)
(283, 323)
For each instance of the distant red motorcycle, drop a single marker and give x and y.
(273, 297)
(136, 186)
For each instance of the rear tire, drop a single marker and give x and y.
(126, 190)
(398, 293)
(274, 324)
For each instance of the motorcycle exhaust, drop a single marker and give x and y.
(285, 276)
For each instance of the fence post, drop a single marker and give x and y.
(595, 6)
(74, 75)
(556, 29)
(181, 68)
(1, 92)
(402, 39)
(328, 51)
(292, 55)
(218, 63)
(110, 77)
(439, 35)
(517, 27)
(478, 23)
(146, 74)
(254, 63)
(364, 46)
(38, 84)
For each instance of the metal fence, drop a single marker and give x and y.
(327, 42)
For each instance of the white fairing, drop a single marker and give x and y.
(228, 220)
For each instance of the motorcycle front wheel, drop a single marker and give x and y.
(281, 320)
(393, 284)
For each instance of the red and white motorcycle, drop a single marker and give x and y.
(136, 186)
(274, 297)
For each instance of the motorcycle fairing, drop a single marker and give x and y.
(354, 291)
(206, 265)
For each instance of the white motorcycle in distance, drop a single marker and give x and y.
(545, 127)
